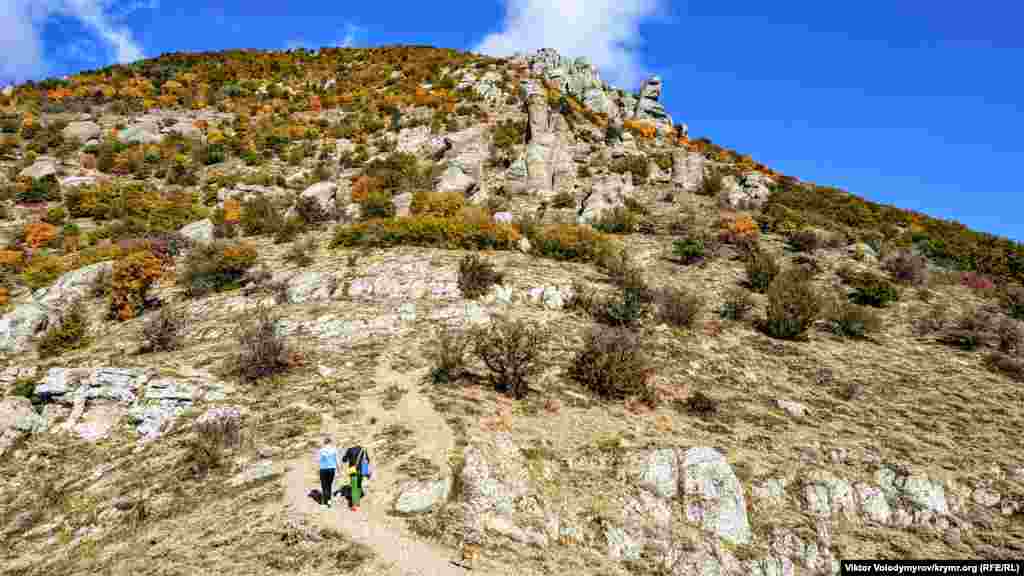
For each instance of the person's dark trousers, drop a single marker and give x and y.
(326, 480)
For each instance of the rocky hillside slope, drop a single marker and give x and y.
(574, 338)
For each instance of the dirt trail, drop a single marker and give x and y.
(401, 552)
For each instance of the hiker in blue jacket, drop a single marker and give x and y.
(358, 462)
(328, 466)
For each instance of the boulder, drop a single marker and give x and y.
(415, 140)
(75, 181)
(186, 129)
(659, 473)
(608, 192)
(687, 169)
(17, 419)
(199, 232)
(455, 179)
(420, 496)
(311, 286)
(82, 131)
(18, 327)
(142, 132)
(324, 193)
(713, 495)
(39, 169)
(749, 192)
(403, 204)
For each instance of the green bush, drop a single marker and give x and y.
(1012, 298)
(688, 250)
(46, 189)
(793, 306)
(852, 320)
(448, 356)
(762, 268)
(69, 334)
(378, 204)
(712, 184)
(216, 267)
(260, 216)
(635, 165)
(162, 332)
(618, 220)
(612, 365)
(738, 303)
(805, 240)
(870, 289)
(301, 253)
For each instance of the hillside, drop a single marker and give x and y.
(574, 338)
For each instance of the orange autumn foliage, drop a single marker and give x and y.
(642, 129)
(11, 258)
(232, 211)
(39, 234)
(362, 186)
(132, 277)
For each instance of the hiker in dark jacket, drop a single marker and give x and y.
(358, 462)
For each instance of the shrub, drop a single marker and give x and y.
(567, 242)
(448, 356)
(762, 269)
(907, 268)
(852, 320)
(870, 289)
(262, 349)
(41, 271)
(738, 303)
(38, 234)
(688, 250)
(976, 328)
(1012, 299)
(712, 184)
(476, 276)
(444, 204)
(618, 220)
(132, 276)
(635, 165)
(678, 306)
(162, 332)
(40, 190)
(701, 405)
(979, 284)
(378, 205)
(612, 365)
(290, 228)
(69, 334)
(510, 350)
(216, 267)
(311, 211)
(1011, 336)
(55, 215)
(1011, 366)
(301, 252)
(793, 306)
(259, 216)
(805, 240)
(425, 230)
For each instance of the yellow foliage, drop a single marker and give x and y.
(641, 129)
(437, 203)
(232, 211)
(11, 258)
(132, 277)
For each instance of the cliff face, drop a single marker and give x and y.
(752, 454)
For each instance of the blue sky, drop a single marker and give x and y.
(912, 103)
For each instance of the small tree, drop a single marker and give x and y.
(793, 306)
(510, 350)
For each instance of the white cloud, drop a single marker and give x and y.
(21, 28)
(353, 34)
(605, 31)
(353, 37)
